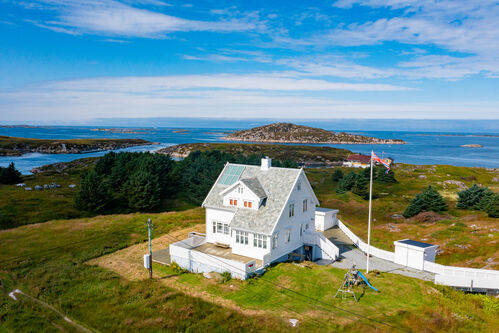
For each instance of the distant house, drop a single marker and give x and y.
(361, 161)
(357, 161)
(257, 215)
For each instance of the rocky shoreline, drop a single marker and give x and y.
(291, 133)
(11, 146)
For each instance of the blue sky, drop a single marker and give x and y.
(80, 60)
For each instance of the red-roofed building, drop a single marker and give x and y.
(357, 161)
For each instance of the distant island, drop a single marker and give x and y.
(12, 146)
(473, 145)
(122, 130)
(291, 133)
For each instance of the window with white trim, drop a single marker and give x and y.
(291, 210)
(305, 205)
(287, 236)
(240, 190)
(260, 241)
(298, 187)
(241, 237)
(220, 228)
(275, 237)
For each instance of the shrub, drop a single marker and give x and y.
(492, 206)
(226, 277)
(337, 175)
(176, 268)
(10, 175)
(360, 187)
(471, 197)
(385, 177)
(428, 200)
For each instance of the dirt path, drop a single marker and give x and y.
(128, 263)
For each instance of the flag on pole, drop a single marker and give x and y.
(377, 159)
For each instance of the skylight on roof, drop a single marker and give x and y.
(231, 174)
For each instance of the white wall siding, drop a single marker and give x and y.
(217, 215)
(249, 250)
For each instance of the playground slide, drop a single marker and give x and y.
(367, 282)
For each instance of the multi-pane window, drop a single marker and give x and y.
(299, 186)
(248, 204)
(287, 236)
(305, 205)
(291, 210)
(260, 241)
(275, 237)
(233, 202)
(241, 237)
(220, 228)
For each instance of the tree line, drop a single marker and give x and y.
(358, 182)
(133, 182)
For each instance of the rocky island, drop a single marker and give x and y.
(291, 133)
(12, 146)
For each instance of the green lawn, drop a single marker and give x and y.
(50, 265)
(403, 304)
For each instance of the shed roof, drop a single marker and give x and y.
(415, 243)
(277, 184)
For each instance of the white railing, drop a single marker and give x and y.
(447, 275)
(327, 248)
(374, 251)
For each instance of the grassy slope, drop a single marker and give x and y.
(403, 302)
(472, 228)
(95, 297)
(101, 300)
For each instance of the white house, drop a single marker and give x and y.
(256, 215)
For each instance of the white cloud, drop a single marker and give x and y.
(112, 18)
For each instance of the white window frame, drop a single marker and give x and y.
(260, 241)
(287, 237)
(224, 228)
(241, 237)
(291, 209)
(275, 238)
(305, 205)
(298, 187)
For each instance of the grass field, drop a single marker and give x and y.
(467, 238)
(56, 264)
(47, 261)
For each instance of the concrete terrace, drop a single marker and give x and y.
(350, 255)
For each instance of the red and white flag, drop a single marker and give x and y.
(377, 159)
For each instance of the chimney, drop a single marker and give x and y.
(266, 163)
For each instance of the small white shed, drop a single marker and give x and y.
(325, 218)
(413, 254)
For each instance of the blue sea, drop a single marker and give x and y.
(423, 147)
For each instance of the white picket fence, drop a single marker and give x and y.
(461, 277)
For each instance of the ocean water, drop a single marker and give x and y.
(422, 147)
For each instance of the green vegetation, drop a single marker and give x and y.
(50, 265)
(480, 198)
(13, 146)
(10, 175)
(358, 182)
(303, 155)
(427, 201)
(307, 291)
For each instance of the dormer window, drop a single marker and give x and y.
(248, 204)
(233, 202)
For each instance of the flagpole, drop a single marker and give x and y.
(369, 218)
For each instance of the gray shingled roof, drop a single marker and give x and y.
(277, 184)
(255, 186)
